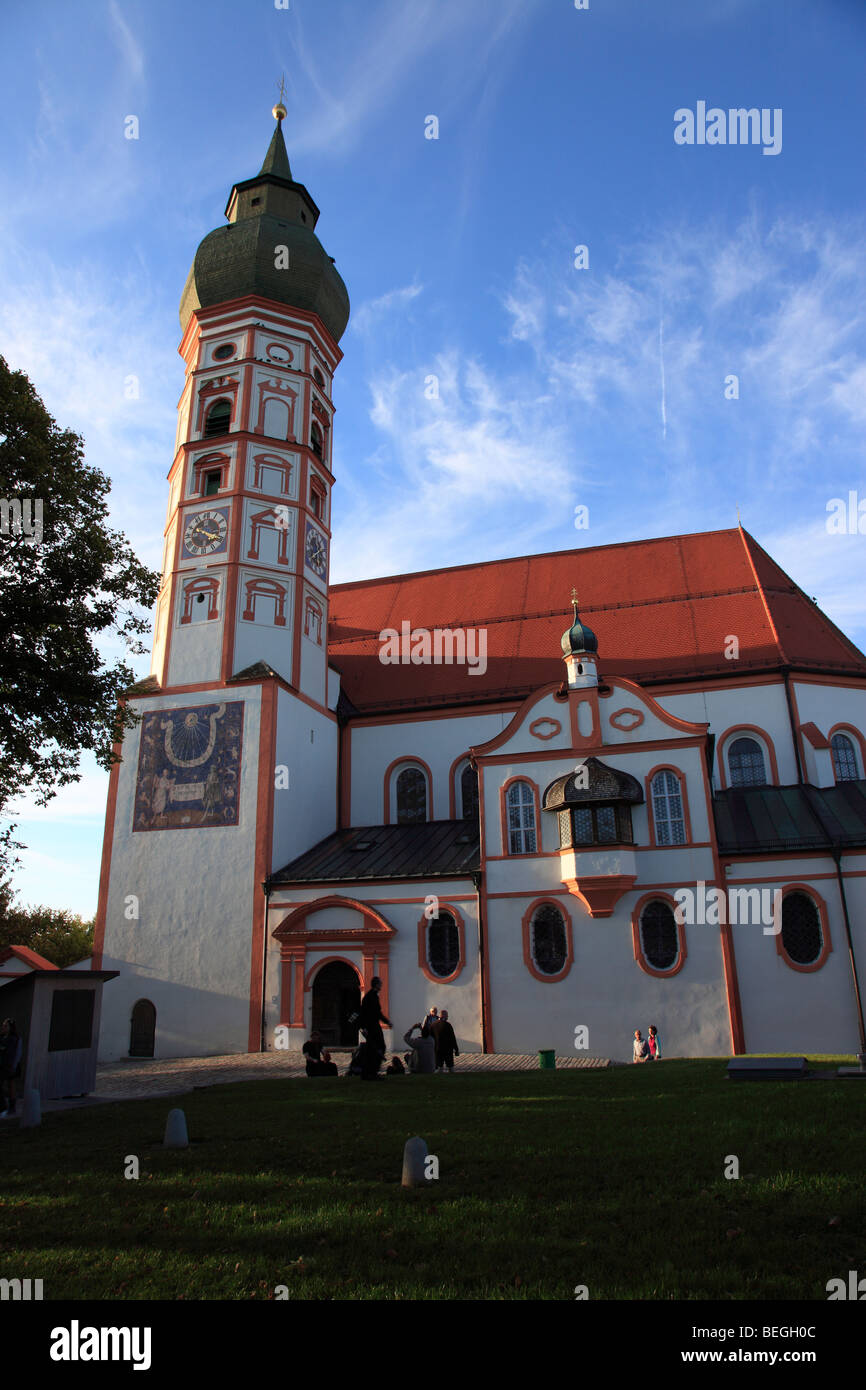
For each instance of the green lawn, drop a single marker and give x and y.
(608, 1178)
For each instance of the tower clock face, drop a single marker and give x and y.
(205, 533)
(315, 552)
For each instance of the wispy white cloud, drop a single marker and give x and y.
(368, 64)
(366, 316)
(130, 48)
(454, 468)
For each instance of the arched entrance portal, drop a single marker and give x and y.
(142, 1031)
(336, 995)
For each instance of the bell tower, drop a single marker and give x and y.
(231, 769)
(247, 540)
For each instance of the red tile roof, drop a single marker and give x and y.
(28, 957)
(662, 609)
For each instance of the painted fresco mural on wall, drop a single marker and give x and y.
(189, 768)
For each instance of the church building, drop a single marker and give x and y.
(562, 796)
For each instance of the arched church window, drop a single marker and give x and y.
(218, 419)
(469, 793)
(317, 377)
(443, 945)
(844, 758)
(411, 796)
(801, 928)
(658, 935)
(316, 441)
(746, 762)
(521, 818)
(668, 811)
(549, 943)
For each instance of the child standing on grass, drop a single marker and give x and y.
(655, 1043)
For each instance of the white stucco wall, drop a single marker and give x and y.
(438, 742)
(305, 811)
(410, 992)
(761, 705)
(188, 951)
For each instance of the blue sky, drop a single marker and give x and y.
(559, 387)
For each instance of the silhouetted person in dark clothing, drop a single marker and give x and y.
(446, 1044)
(371, 1017)
(318, 1062)
(11, 1048)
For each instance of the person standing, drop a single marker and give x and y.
(371, 1018)
(446, 1044)
(655, 1043)
(640, 1051)
(11, 1048)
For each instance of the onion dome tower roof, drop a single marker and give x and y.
(579, 638)
(266, 213)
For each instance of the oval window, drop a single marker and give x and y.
(223, 351)
(443, 945)
(801, 928)
(549, 941)
(658, 934)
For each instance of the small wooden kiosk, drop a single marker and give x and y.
(57, 1013)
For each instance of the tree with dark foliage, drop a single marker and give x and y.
(66, 579)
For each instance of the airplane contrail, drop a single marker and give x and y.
(662, 364)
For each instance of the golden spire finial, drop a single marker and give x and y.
(279, 111)
(574, 596)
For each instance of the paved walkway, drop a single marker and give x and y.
(141, 1079)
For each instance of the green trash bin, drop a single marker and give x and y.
(547, 1060)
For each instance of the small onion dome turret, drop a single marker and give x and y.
(269, 248)
(579, 638)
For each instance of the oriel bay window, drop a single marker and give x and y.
(595, 825)
(593, 805)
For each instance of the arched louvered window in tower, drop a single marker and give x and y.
(521, 819)
(844, 758)
(658, 935)
(218, 419)
(746, 762)
(411, 796)
(549, 942)
(668, 814)
(316, 442)
(443, 945)
(469, 793)
(801, 928)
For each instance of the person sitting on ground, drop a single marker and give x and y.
(318, 1062)
(446, 1044)
(395, 1067)
(640, 1050)
(423, 1054)
(655, 1043)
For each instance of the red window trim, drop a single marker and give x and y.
(637, 944)
(527, 939)
(423, 958)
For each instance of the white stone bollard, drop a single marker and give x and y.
(176, 1136)
(414, 1162)
(31, 1114)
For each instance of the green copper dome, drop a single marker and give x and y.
(579, 638)
(268, 213)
